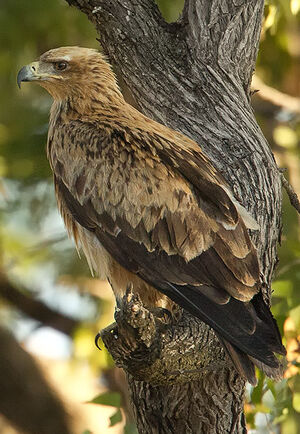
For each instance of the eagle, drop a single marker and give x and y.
(149, 209)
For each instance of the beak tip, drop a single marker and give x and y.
(25, 74)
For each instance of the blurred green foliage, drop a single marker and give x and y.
(32, 239)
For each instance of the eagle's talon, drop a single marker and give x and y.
(97, 337)
(135, 308)
(129, 292)
(162, 314)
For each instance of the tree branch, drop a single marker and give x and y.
(26, 398)
(36, 309)
(155, 352)
(217, 34)
(151, 349)
(274, 96)
(294, 200)
(194, 76)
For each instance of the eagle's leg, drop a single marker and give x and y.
(131, 314)
(151, 350)
(162, 314)
(134, 337)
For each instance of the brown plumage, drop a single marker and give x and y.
(148, 208)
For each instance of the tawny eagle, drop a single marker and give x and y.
(149, 209)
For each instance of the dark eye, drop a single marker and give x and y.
(60, 66)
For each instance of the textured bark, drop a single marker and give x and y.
(194, 76)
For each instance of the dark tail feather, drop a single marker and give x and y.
(248, 331)
(241, 361)
(273, 373)
(245, 364)
(265, 315)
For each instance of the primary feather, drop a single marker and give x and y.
(148, 208)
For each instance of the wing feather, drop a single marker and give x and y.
(178, 203)
(176, 227)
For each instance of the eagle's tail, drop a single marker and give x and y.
(245, 364)
(248, 331)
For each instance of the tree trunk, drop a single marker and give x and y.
(193, 76)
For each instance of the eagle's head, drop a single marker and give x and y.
(71, 71)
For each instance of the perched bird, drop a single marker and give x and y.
(149, 209)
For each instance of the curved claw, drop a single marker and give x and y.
(97, 337)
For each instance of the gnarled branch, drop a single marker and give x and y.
(35, 309)
(27, 400)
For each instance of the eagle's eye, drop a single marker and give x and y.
(60, 66)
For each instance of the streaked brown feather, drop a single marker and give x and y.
(245, 269)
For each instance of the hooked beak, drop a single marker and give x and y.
(28, 73)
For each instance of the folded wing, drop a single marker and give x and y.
(163, 212)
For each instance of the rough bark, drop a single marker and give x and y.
(194, 76)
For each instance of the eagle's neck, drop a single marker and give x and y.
(102, 107)
(88, 102)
